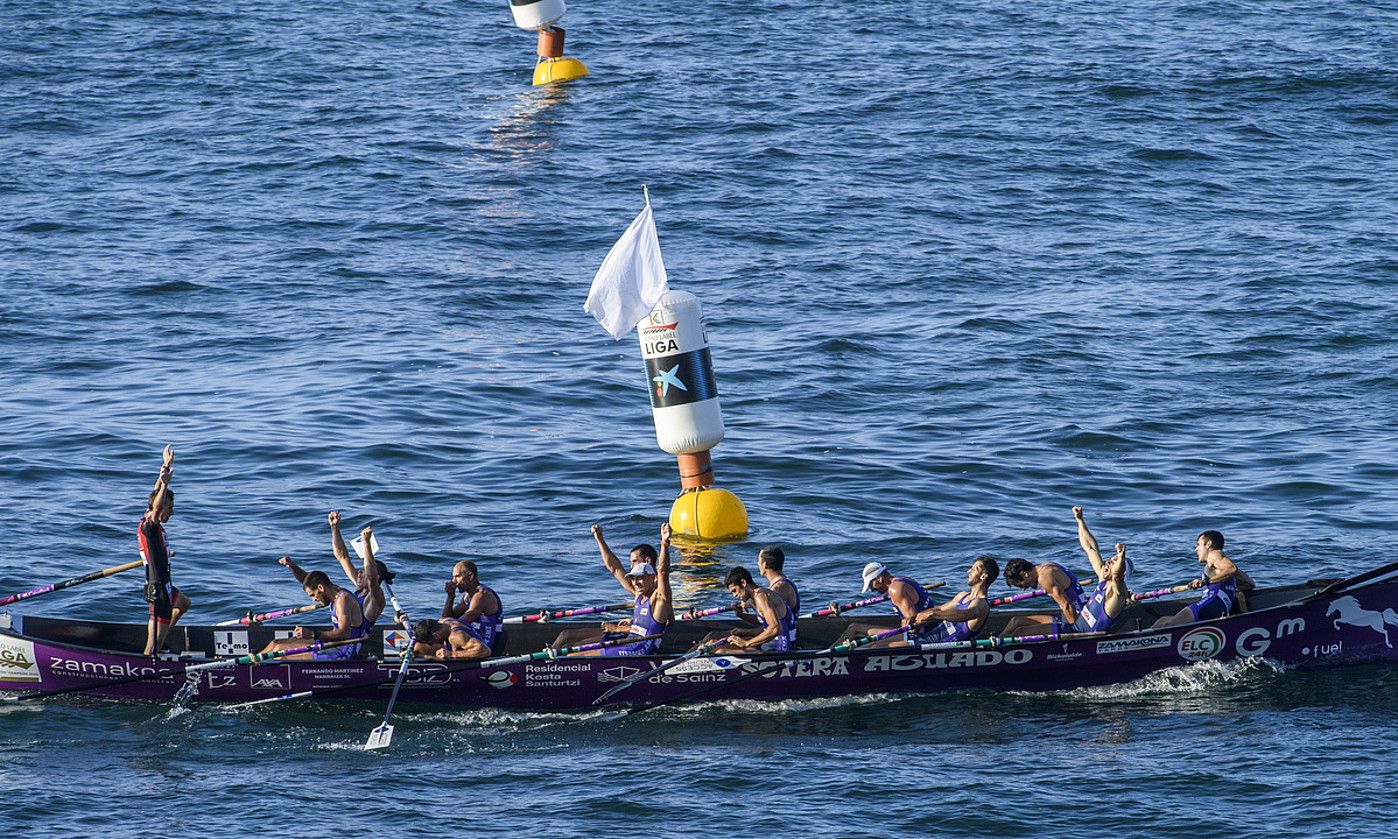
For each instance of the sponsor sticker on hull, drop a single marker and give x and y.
(231, 642)
(17, 661)
(1201, 644)
(1130, 645)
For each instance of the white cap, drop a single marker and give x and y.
(872, 572)
(641, 570)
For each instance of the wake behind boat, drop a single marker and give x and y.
(1318, 624)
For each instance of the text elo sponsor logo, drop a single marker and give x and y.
(1200, 644)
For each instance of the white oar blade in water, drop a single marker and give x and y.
(379, 738)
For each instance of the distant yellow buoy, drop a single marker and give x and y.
(709, 513)
(540, 16)
(550, 70)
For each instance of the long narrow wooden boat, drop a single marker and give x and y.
(1317, 624)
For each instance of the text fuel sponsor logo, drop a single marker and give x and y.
(1127, 645)
(1200, 644)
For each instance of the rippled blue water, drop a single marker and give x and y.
(964, 266)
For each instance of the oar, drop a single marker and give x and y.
(483, 664)
(704, 613)
(259, 617)
(1028, 595)
(1160, 592)
(76, 581)
(702, 649)
(186, 669)
(837, 608)
(546, 615)
(381, 736)
(1014, 641)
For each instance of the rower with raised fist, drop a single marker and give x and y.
(649, 586)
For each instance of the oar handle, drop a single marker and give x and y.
(704, 613)
(76, 581)
(1028, 595)
(835, 608)
(261, 617)
(543, 616)
(1160, 592)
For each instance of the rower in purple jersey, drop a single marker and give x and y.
(449, 638)
(1222, 579)
(367, 580)
(776, 620)
(770, 562)
(346, 620)
(480, 605)
(1111, 596)
(963, 617)
(649, 585)
(1058, 584)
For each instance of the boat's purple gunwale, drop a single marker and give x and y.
(1347, 625)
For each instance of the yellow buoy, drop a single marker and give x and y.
(551, 70)
(709, 513)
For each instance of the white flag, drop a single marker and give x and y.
(631, 280)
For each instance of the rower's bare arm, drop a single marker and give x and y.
(475, 607)
(162, 481)
(1053, 588)
(451, 609)
(296, 571)
(337, 544)
(370, 572)
(347, 611)
(1088, 542)
(901, 595)
(661, 607)
(463, 645)
(1220, 570)
(610, 561)
(975, 611)
(769, 614)
(608, 558)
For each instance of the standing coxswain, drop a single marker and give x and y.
(346, 619)
(167, 603)
(479, 607)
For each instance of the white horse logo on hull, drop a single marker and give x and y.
(1352, 613)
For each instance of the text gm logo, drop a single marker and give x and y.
(1200, 644)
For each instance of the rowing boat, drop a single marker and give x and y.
(1316, 624)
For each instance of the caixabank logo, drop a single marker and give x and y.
(1200, 644)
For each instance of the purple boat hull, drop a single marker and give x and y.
(1351, 621)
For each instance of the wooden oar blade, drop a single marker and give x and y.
(379, 738)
